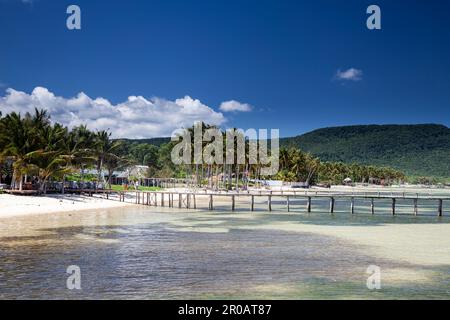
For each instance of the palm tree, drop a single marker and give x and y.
(20, 141)
(114, 162)
(51, 161)
(79, 148)
(104, 150)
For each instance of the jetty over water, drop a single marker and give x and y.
(293, 201)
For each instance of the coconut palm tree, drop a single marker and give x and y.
(79, 149)
(20, 141)
(51, 160)
(104, 150)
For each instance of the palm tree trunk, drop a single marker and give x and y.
(237, 177)
(99, 171)
(196, 176)
(202, 174)
(224, 175)
(82, 177)
(110, 172)
(13, 180)
(21, 182)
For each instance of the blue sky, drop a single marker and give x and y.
(279, 58)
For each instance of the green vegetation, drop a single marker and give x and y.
(157, 158)
(296, 165)
(33, 148)
(77, 177)
(418, 150)
(36, 151)
(157, 142)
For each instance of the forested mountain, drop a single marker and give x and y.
(415, 149)
(418, 150)
(153, 141)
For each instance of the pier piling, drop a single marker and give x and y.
(332, 205)
(308, 205)
(188, 200)
(352, 205)
(211, 206)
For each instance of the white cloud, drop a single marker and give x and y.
(235, 106)
(351, 74)
(137, 117)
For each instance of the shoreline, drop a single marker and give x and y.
(15, 206)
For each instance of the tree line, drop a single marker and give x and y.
(34, 149)
(296, 165)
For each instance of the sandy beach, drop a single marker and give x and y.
(11, 206)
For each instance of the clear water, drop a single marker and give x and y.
(154, 253)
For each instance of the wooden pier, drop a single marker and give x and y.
(287, 200)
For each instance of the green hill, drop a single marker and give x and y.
(153, 141)
(418, 150)
(421, 150)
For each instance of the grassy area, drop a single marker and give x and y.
(130, 188)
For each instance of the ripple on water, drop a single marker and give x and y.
(142, 254)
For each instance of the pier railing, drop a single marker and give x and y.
(189, 200)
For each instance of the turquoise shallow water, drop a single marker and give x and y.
(151, 253)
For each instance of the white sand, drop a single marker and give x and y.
(11, 206)
(24, 205)
(419, 243)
